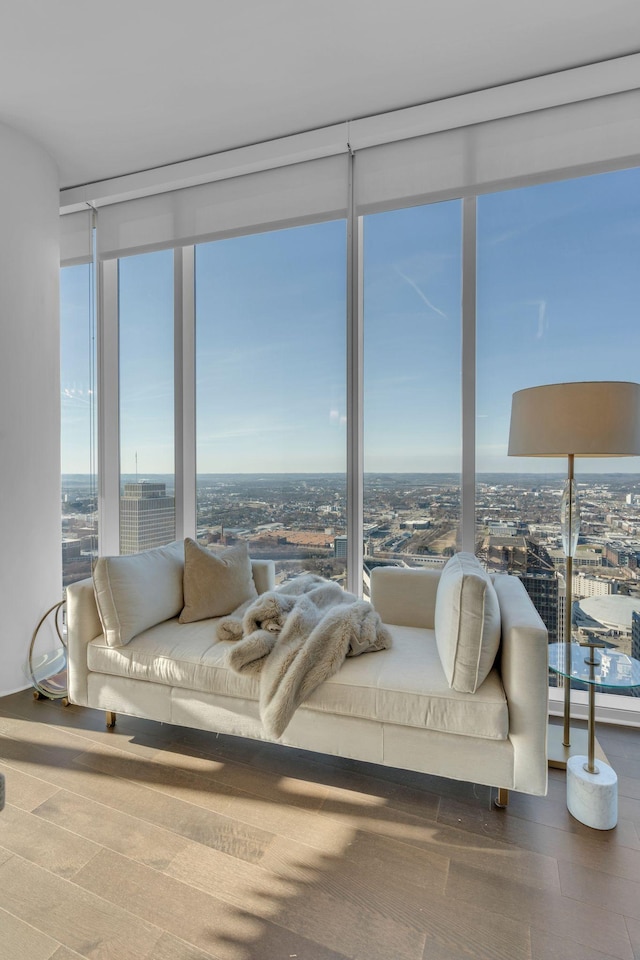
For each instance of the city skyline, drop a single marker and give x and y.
(299, 521)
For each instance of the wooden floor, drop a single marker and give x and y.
(158, 842)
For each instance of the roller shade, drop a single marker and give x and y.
(563, 141)
(268, 200)
(76, 240)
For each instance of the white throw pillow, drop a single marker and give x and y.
(467, 622)
(134, 593)
(215, 584)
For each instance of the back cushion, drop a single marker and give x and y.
(467, 622)
(215, 584)
(134, 593)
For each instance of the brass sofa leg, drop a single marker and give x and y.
(502, 800)
(111, 719)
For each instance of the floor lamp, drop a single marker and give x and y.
(590, 419)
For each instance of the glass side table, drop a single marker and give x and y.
(48, 671)
(592, 785)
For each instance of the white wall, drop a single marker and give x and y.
(30, 560)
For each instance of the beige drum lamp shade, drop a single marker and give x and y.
(598, 418)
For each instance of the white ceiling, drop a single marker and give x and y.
(117, 87)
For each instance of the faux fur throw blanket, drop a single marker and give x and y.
(297, 636)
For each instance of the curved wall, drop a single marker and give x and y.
(30, 552)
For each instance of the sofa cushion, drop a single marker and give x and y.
(215, 584)
(135, 592)
(467, 622)
(403, 685)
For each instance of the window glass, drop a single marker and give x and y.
(412, 385)
(558, 294)
(78, 466)
(270, 396)
(147, 457)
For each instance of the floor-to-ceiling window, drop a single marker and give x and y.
(78, 419)
(412, 384)
(270, 396)
(147, 458)
(557, 286)
(558, 294)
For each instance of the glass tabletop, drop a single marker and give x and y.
(614, 669)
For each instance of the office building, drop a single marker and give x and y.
(147, 516)
(543, 588)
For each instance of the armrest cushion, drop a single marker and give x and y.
(83, 626)
(264, 575)
(525, 678)
(405, 596)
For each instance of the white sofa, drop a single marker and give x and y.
(392, 707)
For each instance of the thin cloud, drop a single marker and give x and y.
(422, 296)
(542, 316)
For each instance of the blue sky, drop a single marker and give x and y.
(558, 299)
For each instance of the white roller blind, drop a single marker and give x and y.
(268, 200)
(76, 241)
(557, 142)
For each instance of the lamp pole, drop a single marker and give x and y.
(568, 606)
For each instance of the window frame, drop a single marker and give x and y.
(611, 707)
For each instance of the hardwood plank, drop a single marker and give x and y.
(18, 738)
(629, 787)
(47, 845)
(23, 790)
(225, 747)
(171, 948)
(20, 941)
(587, 924)
(86, 731)
(545, 946)
(554, 813)
(191, 914)
(629, 808)
(63, 953)
(628, 766)
(331, 780)
(249, 813)
(76, 918)
(111, 828)
(326, 898)
(510, 827)
(193, 820)
(86, 722)
(475, 933)
(633, 929)
(591, 848)
(390, 860)
(605, 891)
(618, 741)
(239, 776)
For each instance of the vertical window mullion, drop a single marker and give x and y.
(355, 394)
(185, 399)
(468, 485)
(108, 409)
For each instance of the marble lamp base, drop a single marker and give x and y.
(592, 798)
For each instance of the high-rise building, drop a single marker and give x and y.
(340, 547)
(635, 635)
(543, 588)
(147, 516)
